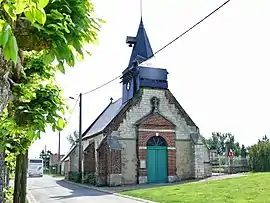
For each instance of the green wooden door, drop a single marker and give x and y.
(157, 164)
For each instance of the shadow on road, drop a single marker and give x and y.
(75, 191)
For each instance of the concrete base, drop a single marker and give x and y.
(172, 179)
(115, 179)
(142, 179)
(101, 180)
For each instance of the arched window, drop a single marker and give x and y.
(156, 141)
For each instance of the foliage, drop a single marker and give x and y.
(264, 139)
(33, 35)
(74, 176)
(250, 188)
(46, 158)
(243, 151)
(72, 138)
(89, 178)
(222, 142)
(8, 192)
(32, 10)
(61, 27)
(259, 156)
(37, 103)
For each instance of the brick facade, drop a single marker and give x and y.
(103, 164)
(157, 125)
(109, 163)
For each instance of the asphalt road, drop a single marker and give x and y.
(48, 189)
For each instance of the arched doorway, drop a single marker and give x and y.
(157, 160)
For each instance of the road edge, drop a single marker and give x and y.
(108, 192)
(30, 197)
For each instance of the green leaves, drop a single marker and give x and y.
(4, 35)
(20, 6)
(34, 14)
(61, 124)
(11, 49)
(42, 3)
(61, 67)
(33, 11)
(11, 10)
(8, 42)
(49, 58)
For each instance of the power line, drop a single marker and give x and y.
(92, 90)
(189, 29)
(162, 48)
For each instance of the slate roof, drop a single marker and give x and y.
(104, 118)
(142, 47)
(112, 141)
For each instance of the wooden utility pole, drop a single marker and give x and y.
(80, 140)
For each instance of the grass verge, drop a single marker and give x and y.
(252, 188)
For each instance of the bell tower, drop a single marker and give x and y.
(136, 76)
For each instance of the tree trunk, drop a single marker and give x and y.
(5, 92)
(2, 178)
(17, 188)
(24, 177)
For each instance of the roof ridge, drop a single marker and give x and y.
(87, 130)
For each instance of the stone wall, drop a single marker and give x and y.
(199, 161)
(129, 161)
(184, 159)
(74, 157)
(89, 159)
(127, 129)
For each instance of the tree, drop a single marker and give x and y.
(35, 33)
(259, 159)
(243, 151)
(223, 142)
(264, 139)
(73, 138)
(46, 158)
(59, 28)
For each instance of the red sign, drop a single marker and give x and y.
(230, 154)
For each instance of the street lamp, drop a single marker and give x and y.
(80, 136)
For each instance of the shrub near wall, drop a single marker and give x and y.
(259, 157)
(74, 176)
(89, 178)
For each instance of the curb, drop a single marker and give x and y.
(30, 198)
(108, 192)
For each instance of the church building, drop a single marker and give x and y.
(145, 136)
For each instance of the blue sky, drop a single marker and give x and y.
(219, 72)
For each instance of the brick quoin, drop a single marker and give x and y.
(157, 122)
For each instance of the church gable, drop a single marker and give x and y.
(155, 120)
(141, 107)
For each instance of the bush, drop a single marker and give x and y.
(259, 157)
(89, 178)
(74, 176)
